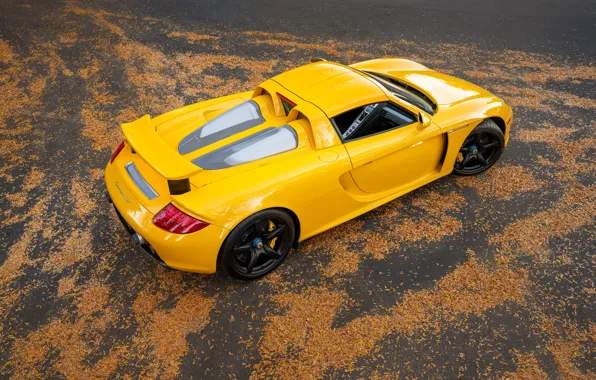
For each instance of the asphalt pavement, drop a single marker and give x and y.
(487, 276)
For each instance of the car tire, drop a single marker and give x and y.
(257, 236)
(482, 149)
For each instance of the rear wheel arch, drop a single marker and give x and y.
(290, 213)
(296, 222)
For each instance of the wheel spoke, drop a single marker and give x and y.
(466, 160)
(243, 248)
(271, 252)
(254, 256)
(261, 247)
(275, 233)
(464, 150)
(481, 159)
(490, 145)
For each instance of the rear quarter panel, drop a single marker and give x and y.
(286, 184)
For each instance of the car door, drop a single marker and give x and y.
(388, 147)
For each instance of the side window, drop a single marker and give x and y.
(371, 119)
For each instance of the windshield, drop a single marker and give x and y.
(404, 92)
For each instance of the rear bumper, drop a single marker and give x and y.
(136, 237)
(194, 252)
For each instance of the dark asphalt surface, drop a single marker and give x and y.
(563, 27)
(491, 276)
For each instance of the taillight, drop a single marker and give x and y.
(117, 152)
(173, 220)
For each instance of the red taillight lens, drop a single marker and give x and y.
(173, 220)
(117, 152)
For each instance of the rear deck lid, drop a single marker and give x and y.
(145, 141)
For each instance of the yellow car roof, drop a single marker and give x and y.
(332, 87)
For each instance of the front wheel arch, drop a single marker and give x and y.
(500, 123)
(485, 152)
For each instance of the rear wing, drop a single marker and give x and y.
(145, 141)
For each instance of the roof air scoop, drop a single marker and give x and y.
(317, 59)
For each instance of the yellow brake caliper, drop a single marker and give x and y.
(271, 228)
(460, 157)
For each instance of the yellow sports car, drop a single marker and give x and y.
(235, 182)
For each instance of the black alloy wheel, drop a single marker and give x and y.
(481, 149)
(258, 245)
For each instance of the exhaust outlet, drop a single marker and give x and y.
(138, 239)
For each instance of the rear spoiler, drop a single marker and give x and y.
(145, 141)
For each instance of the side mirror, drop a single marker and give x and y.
(423, 120)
